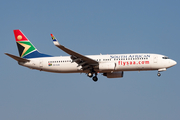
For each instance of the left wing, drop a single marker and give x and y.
(81, 60)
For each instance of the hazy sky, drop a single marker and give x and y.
(90, 27)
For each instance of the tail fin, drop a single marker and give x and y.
(25, 47)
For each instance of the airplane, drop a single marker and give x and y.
(111, 66)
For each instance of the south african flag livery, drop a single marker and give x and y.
(25, 47)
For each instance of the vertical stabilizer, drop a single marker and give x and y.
(25, 47)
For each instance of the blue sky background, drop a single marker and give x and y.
(90, 27)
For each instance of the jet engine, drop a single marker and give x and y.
(118, 74)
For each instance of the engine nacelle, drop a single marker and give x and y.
(106, 66)
(118, 74)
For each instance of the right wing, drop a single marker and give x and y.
(81, 60)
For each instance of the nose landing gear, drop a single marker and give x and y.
(159, 74)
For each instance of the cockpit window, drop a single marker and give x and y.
(165, 58)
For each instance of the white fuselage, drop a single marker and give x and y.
(107, 63)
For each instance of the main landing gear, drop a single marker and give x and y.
(95, 78)
(90, 74)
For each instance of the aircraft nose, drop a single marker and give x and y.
(173, 62)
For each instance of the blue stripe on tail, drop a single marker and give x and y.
(36, 54)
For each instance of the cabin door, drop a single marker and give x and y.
(155, 59)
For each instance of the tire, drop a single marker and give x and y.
(90, 74)
(95, 78)
(159, 74)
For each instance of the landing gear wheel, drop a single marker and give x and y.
(159, 74)
(95, 78)
(90, 74)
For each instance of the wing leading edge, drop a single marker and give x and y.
(81, 60)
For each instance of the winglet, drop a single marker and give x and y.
(54, 40)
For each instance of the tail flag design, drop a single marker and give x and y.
(25, 47)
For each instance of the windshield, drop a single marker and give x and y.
(165, 57)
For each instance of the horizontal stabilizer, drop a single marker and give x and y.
(19, 59)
